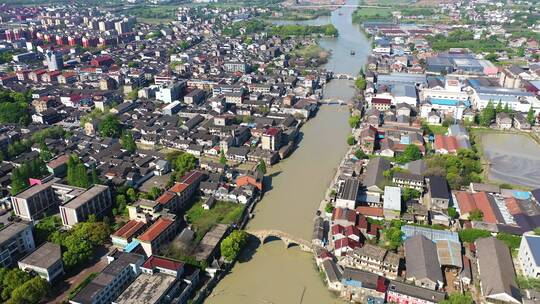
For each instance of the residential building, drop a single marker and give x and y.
(122, 269)
(271, 139)
(45, 261)
(123, 236)
(362, 286)
(482, 201)
(170, 92)
(423, 266)
(529, 255)
(403, 293)
(438, 195)
(374, 178)
(496, 271)
(348, 194)
(374, 259)
(34, 202)
(408, 180)
(54, 60)
(160, 232)
(158, 282)
(392, 202)
(16, 240)
(504, 121)
(78, 204)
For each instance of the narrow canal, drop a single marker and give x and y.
(270, 273)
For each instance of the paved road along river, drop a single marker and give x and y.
(270, 273)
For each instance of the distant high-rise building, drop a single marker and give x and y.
(54, 60)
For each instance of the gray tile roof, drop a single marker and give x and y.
(421, 259)
(497, 275)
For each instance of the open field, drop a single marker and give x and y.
(512, 158)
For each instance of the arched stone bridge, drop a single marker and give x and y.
(288, 239)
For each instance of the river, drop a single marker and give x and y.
(270, 273)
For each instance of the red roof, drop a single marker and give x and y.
(362, 222)
(344, 214)
(191, 177)
(381, 284)
(179, 187)
(129, 229)
(159, 262)
(346, 242)
(381, 101)
(513, 206)
(272, 131)
(155, 230)
(370, 211)
(166, 197)
(448, 143)
(480, 200)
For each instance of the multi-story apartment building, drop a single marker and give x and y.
(81, 203)
(46, 261)
(409, 180)
(32, 203)
(529, 255)
(374, 259)
(160, 232)
(16, 240)
(123, 268)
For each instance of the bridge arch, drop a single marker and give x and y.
(287, 239)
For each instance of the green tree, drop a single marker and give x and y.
(392, 237)
(233, 244)
(360, 154)
(110, 126)
(470, 235)
(499, 107)
(261, 167)
(120, 204)
(409, 193)
(350, 140)
(329, 208)
(128, 143)
(131, 195)
(222, 158)
(360, 83)
(94, 176)
(13, 279)
(19, 181)
(45, 228)
(411, 153)
(31, 292)
(531, 118)
(458, 298)
(476, 215)
(452, 213)
(492, 57)
(354, 121)
(77, 174)
(183, 163)
(487, 115)
(45, 153)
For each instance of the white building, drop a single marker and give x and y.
(529, 255)
(392, 202)
(170, 92)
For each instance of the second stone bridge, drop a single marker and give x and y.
(287, 238)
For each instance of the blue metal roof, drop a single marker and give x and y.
(129, 247)
(432, 234)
